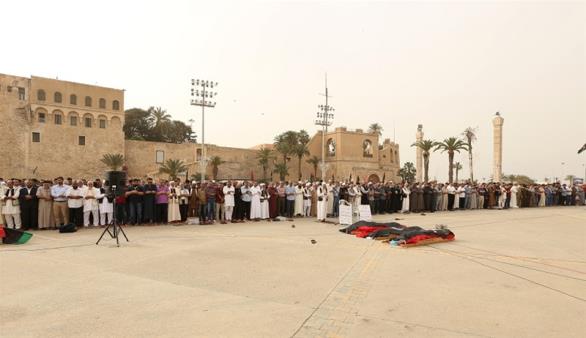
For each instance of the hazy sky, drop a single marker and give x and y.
(446, 65)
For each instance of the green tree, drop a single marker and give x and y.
(282, 170)
(300, 149)
(521, 179)
(457, 167)
(264, 155)
(216, 161)
(470, 136)
(407, 173)
(136, 124)
(451, 145)
(426, 146)
(157, 116)
(285, 144)
(172, 168)
(155, 125)
(375, 128)
(113, 161)
(314, 161)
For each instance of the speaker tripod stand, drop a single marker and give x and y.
(116, 228)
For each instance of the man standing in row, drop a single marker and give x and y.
(29, 206)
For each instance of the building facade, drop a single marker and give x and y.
(52, 128)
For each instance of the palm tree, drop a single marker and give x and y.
(425, 146)
(173, 168)
(451, 145)
(281, 169)
(158, 116)
(216, 161)
(408, 171)
(301, 149)
(264, 155)
(314, 161)
(285, 143)
(113, 161)
(457, 167)
(375, 128)
(470, 136)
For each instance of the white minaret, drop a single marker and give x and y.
(419, 155)
(497, 146)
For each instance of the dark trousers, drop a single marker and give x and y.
(120, 213)
(135, 213)
(211, 209)
(161, 212)
(462, 204)
(336, 210)
(450, 201)
(282, 206)
(246, 210)
(202, 213)
(29, 215)
(372, 206)
(76, 216)
(183, 211)
(290, 208)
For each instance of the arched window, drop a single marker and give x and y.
(102, 121)
(88, 101)
(115, 105)
(88, 120)
(58, 117)
(41, 95)
(57, 97)
(73, 99)
(102, 103)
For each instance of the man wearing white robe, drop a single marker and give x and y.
(106, 208)
(330, 204)
(357, 198)
(90, 204)
(322, 196)
(298, 200)
(307, 200)
(228, 200)
(514, 190)
(11, 208)
(255, 212)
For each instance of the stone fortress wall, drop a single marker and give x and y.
(52, 128)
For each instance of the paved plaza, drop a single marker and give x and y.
(510, 273)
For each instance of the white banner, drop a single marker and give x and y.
(345, 214)
(364, 211)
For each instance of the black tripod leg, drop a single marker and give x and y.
(103, 233)
(123, 233)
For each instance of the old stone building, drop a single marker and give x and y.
(51, 128)
(58, 127)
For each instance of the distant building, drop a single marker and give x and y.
(51, 128)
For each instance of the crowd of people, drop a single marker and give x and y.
(33, 204)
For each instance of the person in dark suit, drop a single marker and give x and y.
(29, 206)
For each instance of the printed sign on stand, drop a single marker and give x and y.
(365, 214)
(345, 213)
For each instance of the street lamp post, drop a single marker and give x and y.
(324, 119)
(202, 94)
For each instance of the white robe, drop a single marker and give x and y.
(330, 202)
(264, 207)
(11, 207)
(173, 213)
(298, 201)
(92, 203)
(228, 196)
(406, 193)
(321, 205)
(514, 190)
(255, 210)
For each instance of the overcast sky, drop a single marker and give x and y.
(446, 65)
